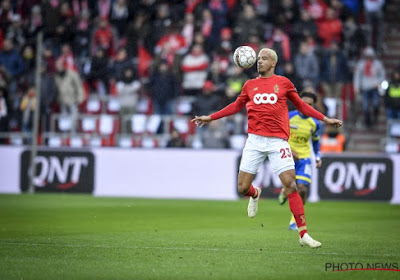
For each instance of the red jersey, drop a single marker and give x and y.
(267, 112)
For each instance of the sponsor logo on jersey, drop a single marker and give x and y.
(265, 98)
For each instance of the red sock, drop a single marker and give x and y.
(296, 206)
(252, 192)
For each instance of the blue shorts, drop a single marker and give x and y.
(303, 171)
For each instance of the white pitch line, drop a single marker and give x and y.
(314, 251)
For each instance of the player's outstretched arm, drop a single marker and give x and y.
(334, 122)
(201, 120)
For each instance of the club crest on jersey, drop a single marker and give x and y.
(256, 88)
(265, 98)
(276, 89)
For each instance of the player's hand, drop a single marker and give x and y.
(319, 163)
(333, 122)
(202, 120)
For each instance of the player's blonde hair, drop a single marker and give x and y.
(271, 53)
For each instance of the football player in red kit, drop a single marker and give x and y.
(268, 133)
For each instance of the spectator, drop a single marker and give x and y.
(120, 63)
(219, 12)
(374, 16)
(306, 64)
(368, 76)
(171, 44)
(247, 18)
(5, 79)
(392, 97)
(69, 89)
(104, 37)
(292, 76)
(194, 67)
(14, 65)
(330, 29)
(119, 16)
(78, 6)
(6, 14)
(342, 11)
(49, 59)
(68, 58)
(97, 72)
(218, 76)
(82, 31)
(48, 93)
(11, 60)
(354, 40)
(225, 45)
(51, 17)
(128, 91)
(281, 44)
(316, 8)
(163, 89)
(236, 80)
(65, 28)
(188, 28)
(289, 10)
(102, 8)
(159, 25)
(176, 140)
(334, 73)
(28, 56)
(3, 113)
(28, 107)
(215, 136)
(208, 101)
(332, 141)
(304, 27)
(15, 32)
(35, 23)
(138, 32)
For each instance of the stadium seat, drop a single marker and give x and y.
(126, 142)
(138, 123)
(75, 142)
(149, 142)
(93, 105)
(16, 140)
(88, 123)
(394, 129)
(113, 105)
(64, 123)
(108, 125)
(153, 123)
(144, 106)
(184, 105)
(95, 141)
(55, 141)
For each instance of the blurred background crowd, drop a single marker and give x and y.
(150, 65)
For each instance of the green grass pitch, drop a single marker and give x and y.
(47, 236)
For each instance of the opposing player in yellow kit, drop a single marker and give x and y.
(302, 128)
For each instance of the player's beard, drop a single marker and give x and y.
(264, 71)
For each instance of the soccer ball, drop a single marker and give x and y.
(244, 56)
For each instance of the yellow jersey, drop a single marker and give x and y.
(302, 129)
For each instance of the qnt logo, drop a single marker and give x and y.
(265, 98)
(356, 178)
(59, 171)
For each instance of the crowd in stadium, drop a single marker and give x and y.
(174, 58)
